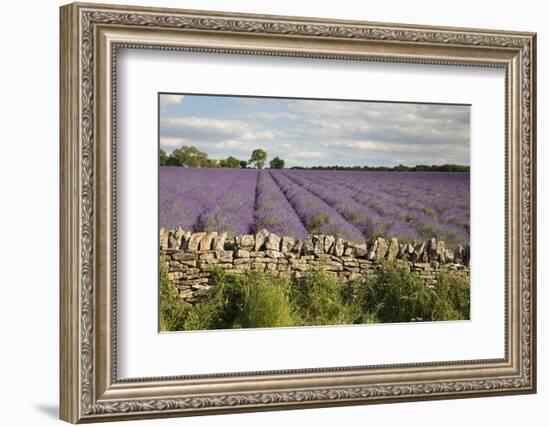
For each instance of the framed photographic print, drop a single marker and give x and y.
(266, 212)
(314, 236)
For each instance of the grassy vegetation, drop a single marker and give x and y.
(173, 311)
(396, 295)
(257, 300)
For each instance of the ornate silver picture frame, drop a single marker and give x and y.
(91, 36)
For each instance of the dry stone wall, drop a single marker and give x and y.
(190, 257)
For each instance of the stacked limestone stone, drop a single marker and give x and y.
(190, 257)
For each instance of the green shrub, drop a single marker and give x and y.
(220, 306)
(318, 299)
(453, 298)
(394, 294)
(255, 300)
(265, 302)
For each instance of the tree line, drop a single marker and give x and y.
(398, 168)
(192, 157)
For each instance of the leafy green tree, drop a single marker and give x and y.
(258, 158)
(243, 164)
(191, 157)
(230, 162)
(172, 161)
(163, 157)
(210, 163)
(277, 163)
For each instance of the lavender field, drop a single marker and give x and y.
(353, 205)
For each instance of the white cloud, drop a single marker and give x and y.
(237, 146)
(384, 146)
(360, 145)
(272, 116)
(308, 154)
(206, 123)
(170, 144)
(262, 135)
(166, 101)
(213, 130)
(296, 152)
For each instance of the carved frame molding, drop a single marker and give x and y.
(90, 36)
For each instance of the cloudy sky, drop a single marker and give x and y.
(317, 132)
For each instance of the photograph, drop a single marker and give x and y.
(286, 212)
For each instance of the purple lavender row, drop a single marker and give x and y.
(318, 216)
(385, 222)
(274, 212)
(234, 211)
(440, 191)
(410, 184)
(419, 200)
(399, 222)
(197, 199)
(427, 223)
(341, 199)
(440, 202)
(185, 193)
